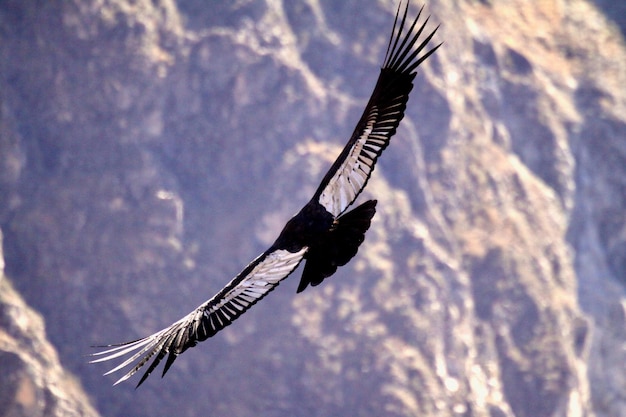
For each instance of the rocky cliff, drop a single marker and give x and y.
(150, 149)
(33, 382)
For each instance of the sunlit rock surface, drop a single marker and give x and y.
(33, 382)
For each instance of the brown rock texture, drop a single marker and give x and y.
(33, 382)
(150, 149)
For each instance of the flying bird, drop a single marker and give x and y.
(322, 234)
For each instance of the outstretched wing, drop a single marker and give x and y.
(349, 174)
(259, 278)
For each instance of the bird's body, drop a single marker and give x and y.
(333, 244)
(323, 233)
(306, 228)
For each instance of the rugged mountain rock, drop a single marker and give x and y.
(33, 383)
(149, 150)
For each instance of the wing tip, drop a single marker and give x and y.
(401, 58)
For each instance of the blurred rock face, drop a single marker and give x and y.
(149, 150)
(33, 383)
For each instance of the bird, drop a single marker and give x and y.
(323, 233)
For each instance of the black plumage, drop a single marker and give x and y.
(322, 234)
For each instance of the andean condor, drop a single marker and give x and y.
(322, 233)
